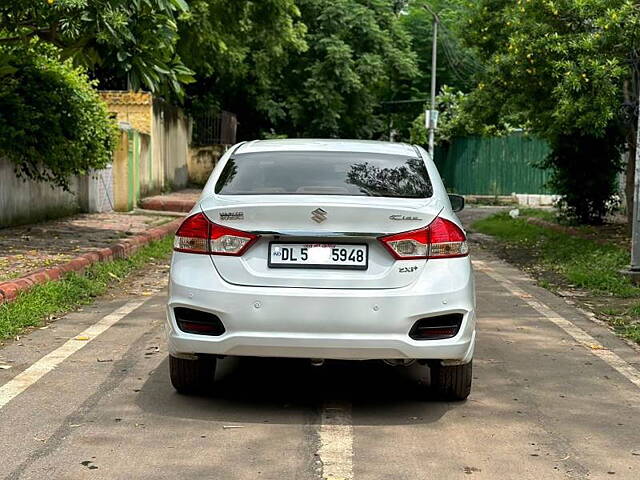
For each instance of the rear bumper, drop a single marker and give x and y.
(324, 323)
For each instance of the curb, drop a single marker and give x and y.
(166, 204)
(9, 290)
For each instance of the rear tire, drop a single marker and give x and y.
(192, 376)
(452, 382)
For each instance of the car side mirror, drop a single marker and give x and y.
(457, 202)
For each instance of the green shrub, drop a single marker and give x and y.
(584, 171)
(52, 122)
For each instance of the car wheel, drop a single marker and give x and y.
(452, 382)
(192, 376)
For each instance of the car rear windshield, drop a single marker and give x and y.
(290, 173)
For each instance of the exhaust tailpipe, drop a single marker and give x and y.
(317, 362)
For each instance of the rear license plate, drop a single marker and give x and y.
(318, 255)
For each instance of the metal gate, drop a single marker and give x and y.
(494, 166)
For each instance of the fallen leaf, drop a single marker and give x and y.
(596, 346)
(82, 338)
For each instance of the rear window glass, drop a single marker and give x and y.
(287, 173)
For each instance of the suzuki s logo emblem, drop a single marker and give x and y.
(319, 215)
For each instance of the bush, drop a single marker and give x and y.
(52, 122)
(584, 173)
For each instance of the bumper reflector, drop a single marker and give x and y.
(437, 328)
(198, 322)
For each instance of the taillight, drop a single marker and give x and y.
(441, 239)
(198, 235)
(408, 245)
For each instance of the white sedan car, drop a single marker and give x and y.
(323, 249)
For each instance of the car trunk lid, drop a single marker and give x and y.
(319, 219)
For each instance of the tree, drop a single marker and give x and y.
(237, 51)
(562, 67)
(127, 43)
(456, 62)
(459, 119)
(357, 53)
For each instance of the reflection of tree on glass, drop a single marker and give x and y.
(408, 180)
(325, 173)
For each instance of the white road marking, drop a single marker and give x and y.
(336, 442)
(578, 334)
(39, 369)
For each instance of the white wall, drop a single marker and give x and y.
(171, 134)
(29, 202)
(26, 202)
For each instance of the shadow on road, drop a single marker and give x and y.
(261, 390)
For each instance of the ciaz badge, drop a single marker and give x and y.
(403, 217)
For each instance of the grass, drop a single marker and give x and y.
(33, 307)
(625, 328)
(548, 214)
(583, 263)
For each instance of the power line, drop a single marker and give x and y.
(418, 100)
(463, 64)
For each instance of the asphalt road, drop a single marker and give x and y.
(555, 396)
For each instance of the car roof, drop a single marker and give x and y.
(327, 145)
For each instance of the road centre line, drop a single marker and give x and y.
(39, 369)
(336, 442)
(577, 333)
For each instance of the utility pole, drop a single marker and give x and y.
(634, 270)
(432, 117)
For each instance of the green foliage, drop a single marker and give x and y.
(357, 52)
(562, 62)
(454, 59)
(627, 328)
(584, 173)
(123, 41)
(237, 50)
(458, 119)
(33, 307)
(582, 262)
(239, 39)
(52, 121)
(560, 67)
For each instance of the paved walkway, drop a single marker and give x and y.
(180, 201)
(27, 248)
